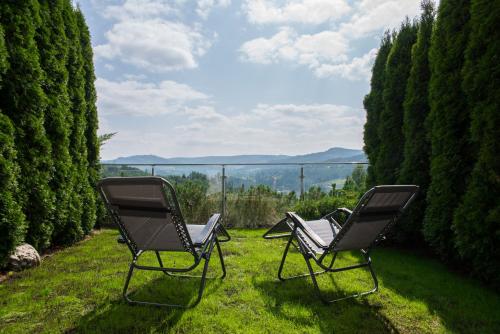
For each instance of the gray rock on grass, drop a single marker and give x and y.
(24, 256)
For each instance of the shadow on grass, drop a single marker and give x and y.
(352, 315)
(296, 300)
(462, 304)
(411, 283)
(118, 316)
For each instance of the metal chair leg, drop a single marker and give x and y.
(127, 281)
(203, 277)
(223, 232)
(277, 226)
(372, 273)
(326, 301)
(285, 253)
(221, 259)
(280, 270)
(132, 301)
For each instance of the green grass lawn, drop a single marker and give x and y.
(78, 290)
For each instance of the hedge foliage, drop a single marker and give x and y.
(374, 104)
(47, 125)
(476, 221)
(52, 46)
(415, 164)
(448, 123)
(390, 123)
(448, 126)
(12, 223)
(23, 100)
(85, 197)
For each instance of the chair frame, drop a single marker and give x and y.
(294, 223)
(200, 254)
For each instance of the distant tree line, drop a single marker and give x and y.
(433, 119)
(49, 151)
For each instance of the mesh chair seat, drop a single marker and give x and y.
(200, 233)
(323, 232)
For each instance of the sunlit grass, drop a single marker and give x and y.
(78, 290)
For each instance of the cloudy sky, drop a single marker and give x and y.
(223, 77)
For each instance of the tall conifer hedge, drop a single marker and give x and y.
(415, 165)
(390, 127)
(374, 104)
(48, 121)
(77, 146)
(52, 45)
(12, 224)
(451, 129)
(92, 144)
(448, 123)
(22, 99)
(476, 223)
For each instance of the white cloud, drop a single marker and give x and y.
(359, 68)
(267, 129)
(295, 11)
(134, 77)
(203, 112)
(270, 50)
(204, 7)
(137, 9)
(287, 45)
(377, 15)
(144, 38)
(137, 98)
(322, 122)
(325, 52)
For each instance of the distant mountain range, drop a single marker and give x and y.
(279, 177)
(335, 154)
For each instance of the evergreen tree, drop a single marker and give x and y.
(92, 142)
(23, 100)
(349, 184)
(52, 46)
(391, 139)
(77, 146)
(448, 124)
(4, 64)
(359, 177)
(415, 166)
(12, 224)
(477, 221)
(374, 104)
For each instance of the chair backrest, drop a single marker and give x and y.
(375, 213)
(147, 212)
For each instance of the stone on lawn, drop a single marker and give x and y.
(24, 256)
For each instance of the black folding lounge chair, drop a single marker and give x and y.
(149, 218)
(367, 224)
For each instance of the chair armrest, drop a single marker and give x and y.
(302, 225)
(209, 228)
(222, 230)
(279, 230)
(344, 210)
(331, 215)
